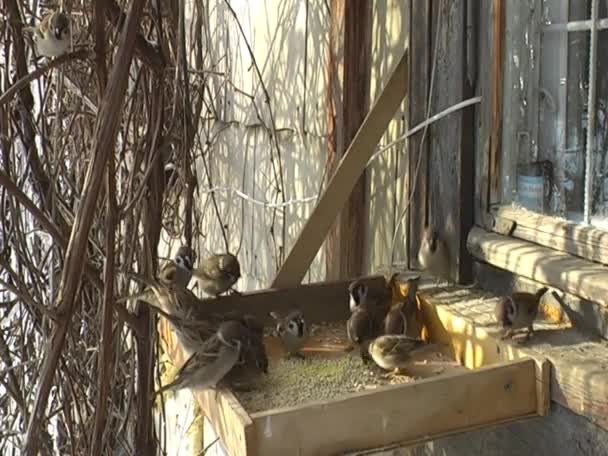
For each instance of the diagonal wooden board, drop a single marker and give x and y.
(341, 184)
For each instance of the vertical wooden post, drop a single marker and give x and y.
(348, 238)
(420, 45)
(450, 185)
(498, 37)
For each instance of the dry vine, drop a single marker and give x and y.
(101, 156)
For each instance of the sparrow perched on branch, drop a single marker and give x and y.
(434, 255)
(51, 35)
(175, 275)
(392, 351)
(213, 360)
(404, 312)
(292, 330)
(518, 311)
(218, 273)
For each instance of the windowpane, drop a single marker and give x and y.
(546, 87)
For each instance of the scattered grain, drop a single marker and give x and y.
(293, 381)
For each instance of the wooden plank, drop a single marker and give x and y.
(441, 405)
(341, 184)
(561, 270)
(559, 306)
(320, 302)
(231, 423)
(420, 45)
(498, 38)
(357, 70)
(559, 234)
(579, 363)
(451, 170)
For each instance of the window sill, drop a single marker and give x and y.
(583, 241)
(579, 364)
(558, 269)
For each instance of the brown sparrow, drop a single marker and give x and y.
(213, 360)
(252, 362)
(434, 255)
(218, 273)
(518, 311)
(378, 300)
(396, 320)
(175, 275)
(52, 35)
(361, 327)
(392, 352)
(178, 272)
(292, 330)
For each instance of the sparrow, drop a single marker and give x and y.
(377, 300)
(392, 352)
(361, 327)
(192, 326)
(292, 330)
(518, 311)
(218, 273)
(252, 363)
(175, 275)
(396, 320)
(52, 35)
(178, 272)
(212, 361)
(434, 255)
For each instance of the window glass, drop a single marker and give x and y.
(545, 109)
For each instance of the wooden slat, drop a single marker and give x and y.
(340, 186)
(561, 270)
(419, 411)
(583, 314)
(578, 364)
(451, 170)
(231, 423)
(320, 302)
(420, 45)
(559, 234)
(357, 70)
(498, 38)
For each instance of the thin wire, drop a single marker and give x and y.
(426, 126)
(591, 114)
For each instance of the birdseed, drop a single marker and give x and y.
(293, 381)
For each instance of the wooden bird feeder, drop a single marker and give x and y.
(482, 391)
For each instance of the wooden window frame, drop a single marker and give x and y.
(566, 255)
(578, 239)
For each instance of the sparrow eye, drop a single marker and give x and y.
(293, 326)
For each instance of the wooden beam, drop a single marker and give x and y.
(559, 306)
(542, 264)
(357, 70)
(341, 184)
(580, 240)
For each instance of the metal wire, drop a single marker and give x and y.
(591, 113)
